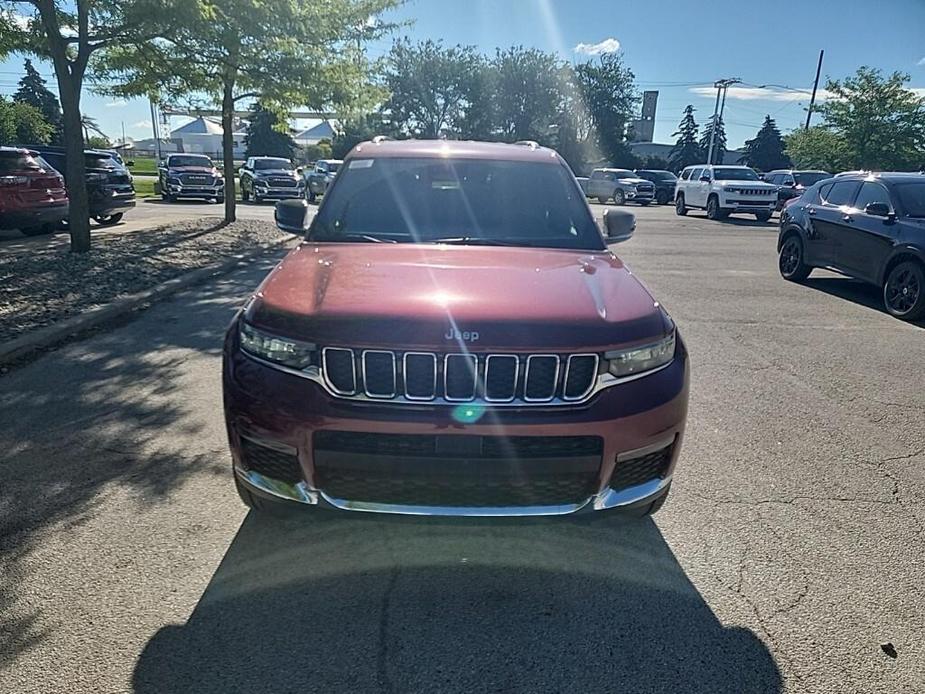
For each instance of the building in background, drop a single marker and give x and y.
(324, 130)
(204, 136)
(643, 128)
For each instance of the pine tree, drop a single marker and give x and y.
(766, 151)
(686, 150)
(32, 91)
(719, 144)
(263, 139)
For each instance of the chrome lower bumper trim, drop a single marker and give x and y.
(302, 493)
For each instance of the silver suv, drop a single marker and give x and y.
(620, 184)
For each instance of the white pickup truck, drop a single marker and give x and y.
(724, 190)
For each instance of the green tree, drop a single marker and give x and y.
(655, 163)
(32, 91)
(880, 121)
(686, 150)
(528, 94)
(321, 150)
(22, 124)
(431, 86)
(719, 143)
(817, 148)
(286, 52)
(68, 34)
(608, 92)
(267, 135)
(98, 142)
(355, 130)
(766, 150)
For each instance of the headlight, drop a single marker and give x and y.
(730, 189)
(279, 350)
(639, 359)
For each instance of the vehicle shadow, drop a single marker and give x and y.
(746, 222)
(854, 290)
(356, 603)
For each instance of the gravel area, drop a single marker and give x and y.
(41, 288)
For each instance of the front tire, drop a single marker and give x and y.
(310, 194)
(904, 291)
(791, 261)
(661, 197)
(714, 211)
(245, 196)
(680, 208)
(619, 198)
(763, 216)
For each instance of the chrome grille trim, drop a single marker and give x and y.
(568, 365)
(475, 376)
(555, 380)
(404, 370)
(378, 396)
(516, 376)
(324, 370)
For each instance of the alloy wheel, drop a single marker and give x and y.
(902, 290)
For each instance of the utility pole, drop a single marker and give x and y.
(721, 87)
(812, 99)
(157, 139)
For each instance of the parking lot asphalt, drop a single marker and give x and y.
(789, 551)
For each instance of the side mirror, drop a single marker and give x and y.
(619, 225)
(704, 179)
(879, 209)
(292, 216)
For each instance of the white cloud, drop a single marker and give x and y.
(17, 19)
(118, 103)
(142, 124)
(918, 91)
(763, 94)
(610, 45)
(921, 62)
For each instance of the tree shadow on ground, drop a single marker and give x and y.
(117, 410)
(856, 291)
(353, 603)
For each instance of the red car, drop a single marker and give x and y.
(32, 194)
(455, 338)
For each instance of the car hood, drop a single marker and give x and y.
(632, 181)
(760, 185)
(276, 172)
(415, 296)
(190, 169)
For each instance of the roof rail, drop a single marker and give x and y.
(532, 144)
(380, 138)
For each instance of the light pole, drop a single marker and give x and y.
(721, 87)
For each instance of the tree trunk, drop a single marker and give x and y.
(228, 149)
(75, 174)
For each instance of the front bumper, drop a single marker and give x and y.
(739, 204)
(182, 191)
(268, 193)
(637, 196)
(276, 409)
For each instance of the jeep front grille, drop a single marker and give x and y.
(457, 377)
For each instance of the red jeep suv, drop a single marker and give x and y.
(32, 194)
(454, 337)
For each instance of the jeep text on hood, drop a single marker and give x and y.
(454, 337)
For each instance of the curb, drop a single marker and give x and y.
(59, 332)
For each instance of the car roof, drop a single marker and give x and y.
(456, 149)
(888, 176)
(267, 156)
(14, 150)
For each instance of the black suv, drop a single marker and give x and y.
(868, 226)
(270, 178)
(791, 183)
(664, 181)
(109, 184)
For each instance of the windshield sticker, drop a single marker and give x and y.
(361, 163)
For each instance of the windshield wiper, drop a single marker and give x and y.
(353, 237)
(477, 241)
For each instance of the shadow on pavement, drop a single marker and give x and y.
(353, 603)
(853, 290)
(91, 417)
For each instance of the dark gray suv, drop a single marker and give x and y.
(868, 226)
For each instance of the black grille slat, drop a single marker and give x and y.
(339, 370)
(501, 377)
(379, 374)
(642, 469)
(270, 462)
(490, 446)
(540, 379)
(580, 375)
(420, 376)
(460, 376)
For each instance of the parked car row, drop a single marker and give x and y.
(33, 194)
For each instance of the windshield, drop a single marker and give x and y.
(97, 161)
(809, 178)
(625, 174)
(272, 164)
(17, 161)
(663, 175)
(333, 166)
(912, 197)
(189, 161)
(463, 201)
(734, 174)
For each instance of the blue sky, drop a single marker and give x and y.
(677, 47)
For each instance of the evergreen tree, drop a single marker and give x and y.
(766, 151)
(719, 144)
(264, 138)
(686, 150)
(32, 91)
